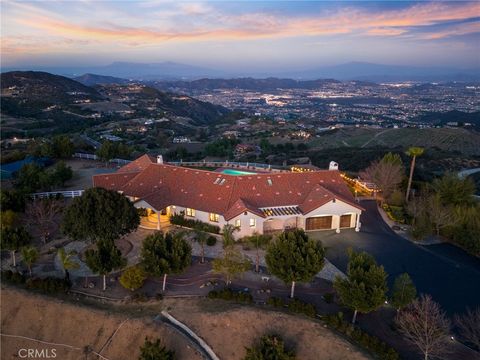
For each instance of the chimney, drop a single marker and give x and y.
(333, 165)
(159, 159)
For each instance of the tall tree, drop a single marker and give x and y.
(232, 264)
(8, 219)
(106, 151)
(386, 174)
(106, 258)
(258, 242)
(468, 325)
(43, 212)
(62, 147)
(31, 178)
(67, 262)
(413, 152)
(13, 239)
(425, 325)
(100, 214)
(165, 254)
(201, 238)
(29, 256)
(154, 350)
(403, 292)
(293, 257)
(364, 289)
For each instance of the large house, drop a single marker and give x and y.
(254, 203)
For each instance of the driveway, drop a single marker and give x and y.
(447, 273)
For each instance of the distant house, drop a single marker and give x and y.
(180, 140)
(242, 149)
(254, 203)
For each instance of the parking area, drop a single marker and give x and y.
(444, 271)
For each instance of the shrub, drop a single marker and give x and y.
(229, 294)
(211, 240)
(270, 347)
(13, 277)
(301, 307)
(276, 302)
(369, 342)
(154, 350)
(179, 219)
(48, 285)
(133, 278)
(142, 212)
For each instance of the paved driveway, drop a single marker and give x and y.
(444, 271)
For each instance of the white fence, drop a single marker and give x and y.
(65, 194)
(95, 157)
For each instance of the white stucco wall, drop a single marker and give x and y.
(334, 209)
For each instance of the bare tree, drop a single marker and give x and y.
(43, 212)
(468, 325)
(386, 174)
(441, 215)
(425, 325)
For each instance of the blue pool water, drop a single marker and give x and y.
(236, 172)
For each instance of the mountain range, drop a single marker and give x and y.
(348, 71)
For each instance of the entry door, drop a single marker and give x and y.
(346, 221)
(319, 223)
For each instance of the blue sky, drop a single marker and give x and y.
(241, 35)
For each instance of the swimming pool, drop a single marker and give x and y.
(236, 172)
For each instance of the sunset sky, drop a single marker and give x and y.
(244, 35)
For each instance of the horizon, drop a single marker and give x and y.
(241, 36)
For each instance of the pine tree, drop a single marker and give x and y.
(403, 292)
(106, 258)
(293, 257)
(165, 254)
(364, 289)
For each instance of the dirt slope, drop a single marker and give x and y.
(63, 323)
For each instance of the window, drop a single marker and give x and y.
(253, 223)
(214, 217)
(190, 212)
(238, 223)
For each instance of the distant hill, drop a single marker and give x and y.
(42, 86)
(387, 73)
(94, 79)
(244, 83)
(202, 113)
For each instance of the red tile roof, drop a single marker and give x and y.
(161, 185)
(139, 164)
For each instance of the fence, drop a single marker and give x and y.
(231, 164)
(65, 194)
(95, 157)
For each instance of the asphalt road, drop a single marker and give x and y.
(447, 273)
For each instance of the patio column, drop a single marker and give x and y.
(357, 223)
(338, 225)
(158, 221)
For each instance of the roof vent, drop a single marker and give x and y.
(333, 165)
(269, 182)
(159, 159)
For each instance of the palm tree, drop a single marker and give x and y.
(201, 238)
(413, 152)
(67, 262)
(29, 255)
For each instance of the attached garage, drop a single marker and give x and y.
(346, 221)
(318, 223)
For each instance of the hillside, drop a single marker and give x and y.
(244, 83)
(227, 328)
(94, 79)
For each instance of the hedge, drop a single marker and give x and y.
(49, 285)
(180, 220)
(229, 294)
(373, 344)
(294, 305)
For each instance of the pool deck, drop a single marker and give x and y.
(241, 171)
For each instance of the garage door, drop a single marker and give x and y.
(345, 221)
(319, 223)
